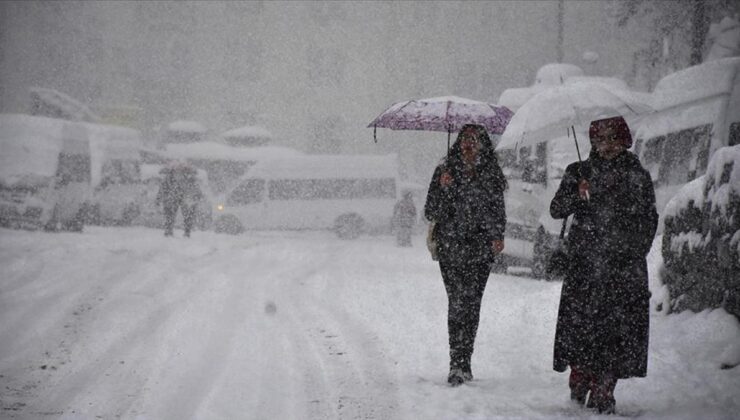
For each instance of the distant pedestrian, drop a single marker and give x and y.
(179, 189)
(404, 217)
(466, 204)
(603, 320)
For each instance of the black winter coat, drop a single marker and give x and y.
(603, 319)
(469, 213)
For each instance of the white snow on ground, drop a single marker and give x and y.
(124, 323)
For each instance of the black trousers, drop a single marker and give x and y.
(170, 212)
(465, 284)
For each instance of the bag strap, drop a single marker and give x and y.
(562, 231)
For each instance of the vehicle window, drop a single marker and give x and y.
(121, 172)
(653, 150)
(248, 192)
(327, 189)
(734, 134)
(684, 155)
(222, 174)
(726, 172)
(73, 168)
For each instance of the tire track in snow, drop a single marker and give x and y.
(360, 386)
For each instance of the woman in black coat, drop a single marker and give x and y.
(603, 320)
(466, 202)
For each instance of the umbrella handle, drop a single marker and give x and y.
(449, 131)
(375, 133)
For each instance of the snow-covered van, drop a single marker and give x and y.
(45, 172)
(350, 194)
(118, 194)
(223, 163)
(697, 112)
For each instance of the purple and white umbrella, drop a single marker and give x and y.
(445, 113)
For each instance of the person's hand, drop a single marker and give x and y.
(583, 190)
(497, 246)
(446, 179)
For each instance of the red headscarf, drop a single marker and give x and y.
(617, 125)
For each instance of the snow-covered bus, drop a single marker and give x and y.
(350, 194)
(697, 112)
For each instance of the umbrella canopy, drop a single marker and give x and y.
(550, 113)
(445, 113)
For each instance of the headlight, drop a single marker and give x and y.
(220, 207)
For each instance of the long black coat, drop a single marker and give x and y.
(469, 213)
(603, 320)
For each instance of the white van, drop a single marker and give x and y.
(697, 112)
(349, 194)
(45, 172)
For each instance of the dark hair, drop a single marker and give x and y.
(487, 165)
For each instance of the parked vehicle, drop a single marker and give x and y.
(45, 172)
(697, 112)
(118, 193)
(223, 163)
(350, 194)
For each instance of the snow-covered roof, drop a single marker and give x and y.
(513, 98)
(185, 126)
(662, 123)
(63, 104)
(614, 82)
(327, 166)
(697, 82)
(29, 145)
(556, 73)
(218, 151)
(248, 131)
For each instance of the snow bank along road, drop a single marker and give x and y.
(123, 323)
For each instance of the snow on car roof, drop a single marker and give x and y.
(248, 131)
(186, 126)
(513, 98)
(701, 81)
(556, 73)
(327, 166)
(218, 151)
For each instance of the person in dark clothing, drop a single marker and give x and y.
(603, 319)
(179, 189)
(466, 203)
(404, 217)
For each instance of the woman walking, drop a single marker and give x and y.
(603, 319)
(466, 203)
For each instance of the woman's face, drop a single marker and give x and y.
(469, 147)
(608, 145)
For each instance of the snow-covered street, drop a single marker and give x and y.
(124, 323)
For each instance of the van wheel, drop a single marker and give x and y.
(228, 223)
(349, 226)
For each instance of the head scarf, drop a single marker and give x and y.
(616, 125)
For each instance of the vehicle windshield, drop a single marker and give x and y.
(248, 192)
